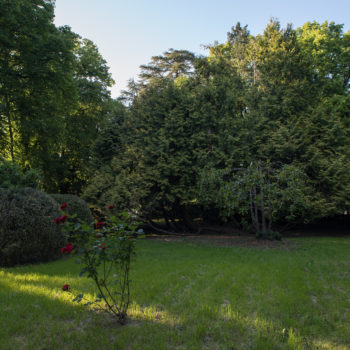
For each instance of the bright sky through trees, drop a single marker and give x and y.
(128, 33)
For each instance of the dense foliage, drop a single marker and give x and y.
(256, 133)
(27, 231)
(12, 176)
(53, 92)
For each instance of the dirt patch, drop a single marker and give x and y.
(221, 235)
(318, 232)
(226, 240)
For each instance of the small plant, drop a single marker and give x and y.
(105, 250)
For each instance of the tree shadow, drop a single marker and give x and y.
(175, 315)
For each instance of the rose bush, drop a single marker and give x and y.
(105, 250)
(74, 205)
(68, 248)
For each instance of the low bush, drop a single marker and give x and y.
(28, 233)
(105, 249)
(75, 205)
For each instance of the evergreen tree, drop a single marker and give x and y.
(257, 132)
(171, 65)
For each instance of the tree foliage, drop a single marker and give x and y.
(53, 92)
(256, 132)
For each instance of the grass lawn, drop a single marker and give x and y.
(190, 296)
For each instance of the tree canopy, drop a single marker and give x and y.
(256, 133)
(53, 89)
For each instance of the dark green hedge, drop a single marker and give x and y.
(28, 233)
(75, 205)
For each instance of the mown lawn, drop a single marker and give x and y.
(191, 296)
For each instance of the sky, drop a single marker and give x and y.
(129, 32)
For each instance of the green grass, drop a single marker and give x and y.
(190, 296)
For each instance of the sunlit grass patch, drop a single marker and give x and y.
(190, 296)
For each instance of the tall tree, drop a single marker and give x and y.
(329, 49)
(82, 125)
(171, 65)
(53, 94)
(293, 106)
(267, 117)
(36, 78)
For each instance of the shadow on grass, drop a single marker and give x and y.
(36, 313)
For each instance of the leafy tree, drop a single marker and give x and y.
(109, 145)
(328, 47)
(36, 79)
(283, 119)
(155, 169)
(127, 96)
(83, 124)
(255, 103)
(261, 196)
(53, 94)
(171, 65)
(324, 135)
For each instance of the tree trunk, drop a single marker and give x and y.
(9, 122)
(187, 219)
(262, 204)
(269, 202)
(166, 218)
(257, 226)
(253, 217)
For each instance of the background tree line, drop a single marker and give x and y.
(256, 133)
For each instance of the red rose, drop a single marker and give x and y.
(69, 247)
(63, 218)
(63, 206)
(57, 221)
(65, 287)
(99, 224)
(102, 246)
(110, 207)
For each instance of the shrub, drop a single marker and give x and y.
(27, 230)
(75, 205)
(105, 249)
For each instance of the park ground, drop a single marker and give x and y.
(199, 292)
